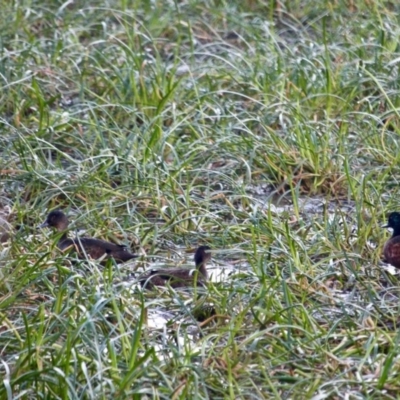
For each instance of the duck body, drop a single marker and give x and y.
(96, 248)
(85, 247)
(391, 251)
(180, 277)
(174, 277)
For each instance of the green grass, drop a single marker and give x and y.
(267, 130)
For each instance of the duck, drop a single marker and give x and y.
(180, 277)
(391, 251)
(85, 246)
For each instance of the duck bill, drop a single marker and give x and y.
(385, 226)
(44, 225)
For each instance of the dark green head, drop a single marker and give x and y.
(394, 222)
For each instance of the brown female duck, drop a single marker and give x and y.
(85, 247)
(180, 277)
(391, 251)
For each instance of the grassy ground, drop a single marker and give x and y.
(267, 130)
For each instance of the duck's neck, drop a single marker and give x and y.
(396, 231)
(62, 229)
(201, 267)
(63, 237)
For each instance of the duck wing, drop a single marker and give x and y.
(96, 248)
